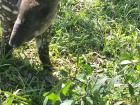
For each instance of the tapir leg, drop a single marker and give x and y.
(42, 42)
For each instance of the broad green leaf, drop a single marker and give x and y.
(46, 94)
(88, 69)
(53, 97)
(89, 100)
(45, 101)
(9, 100)
(115, 81)
(125, 62)
(119, 103)
(138, 67)
(67, 102)
(81, 77)
(66, 88)
(100, 83)
(131, 89)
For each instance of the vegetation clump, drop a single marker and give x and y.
(95, 50)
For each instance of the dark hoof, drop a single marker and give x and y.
(48, 68)
(48, 78)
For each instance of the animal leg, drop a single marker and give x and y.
(42, 42)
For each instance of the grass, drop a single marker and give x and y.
(95, 49)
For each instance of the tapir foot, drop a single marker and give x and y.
(48, 78)
(48, 68)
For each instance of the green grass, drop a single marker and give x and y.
(95, 49)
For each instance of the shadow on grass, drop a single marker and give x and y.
(18, 74)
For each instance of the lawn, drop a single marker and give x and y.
(95, 50)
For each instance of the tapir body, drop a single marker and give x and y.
(23, 20)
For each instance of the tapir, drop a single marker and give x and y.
(23, 20)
